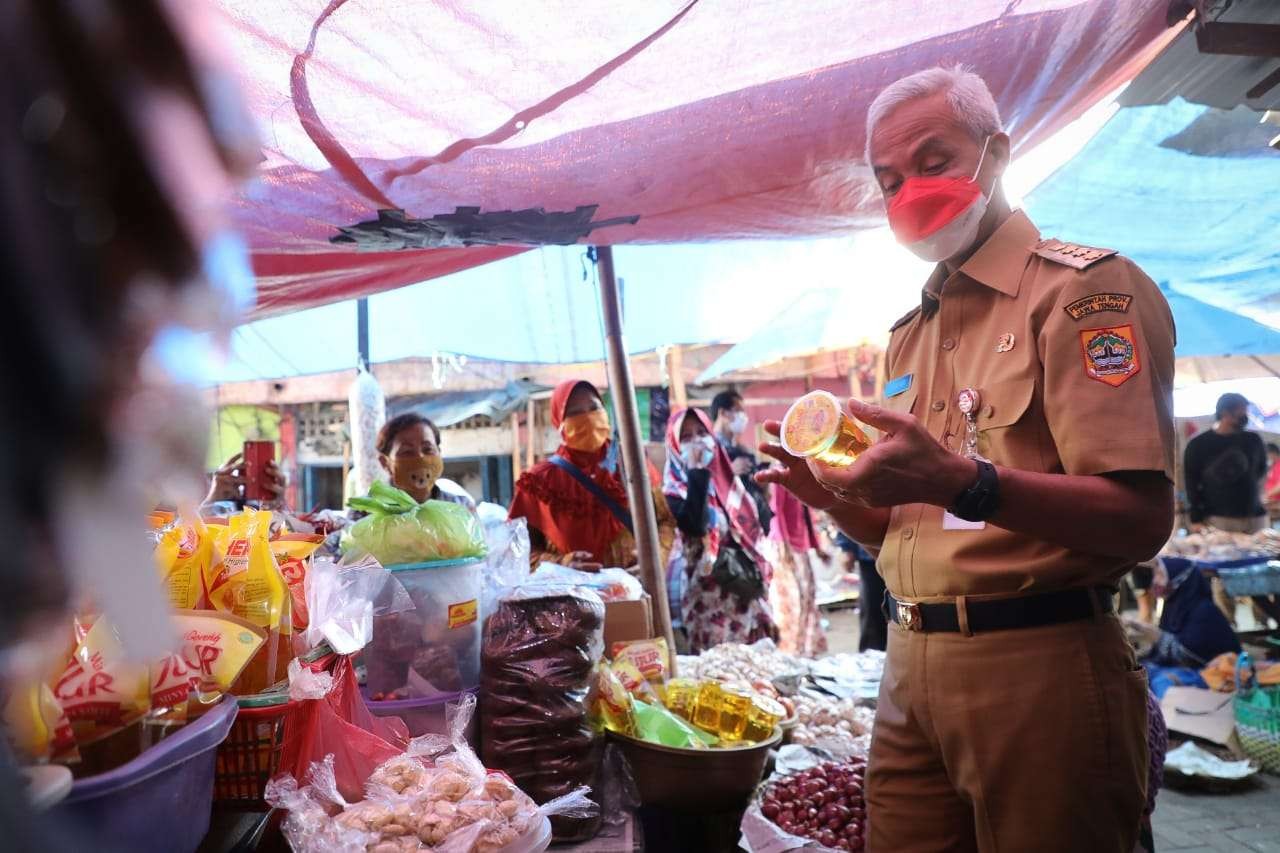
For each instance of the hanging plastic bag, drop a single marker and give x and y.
(344, 597)
(341, 725)
(507, 563)
(399, 530)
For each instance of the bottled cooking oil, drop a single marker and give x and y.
(817, 427)
(682, 696)
(764, 715)
(735, 706)
(706, 712)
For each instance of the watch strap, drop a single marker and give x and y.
(981, 500)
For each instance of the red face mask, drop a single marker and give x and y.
(938, 218)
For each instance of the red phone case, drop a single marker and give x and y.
(256, 456)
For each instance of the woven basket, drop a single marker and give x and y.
(1258, 725)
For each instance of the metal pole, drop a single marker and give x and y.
(643, 518)
(362, 331)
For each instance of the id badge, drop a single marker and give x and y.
(953, 522)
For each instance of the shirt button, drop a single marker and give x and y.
(938, 405)
(949, 344)
(988, 411)
(908, 533)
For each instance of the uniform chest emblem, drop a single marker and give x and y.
(1004, 343)
(1110, 354)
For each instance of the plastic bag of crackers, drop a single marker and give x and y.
(436, 796)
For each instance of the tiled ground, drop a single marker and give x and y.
(1244, 822)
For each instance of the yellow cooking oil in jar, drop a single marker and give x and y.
(817, 427)
(681, 697)
(706, 711)
(764, 716)
(734, 708)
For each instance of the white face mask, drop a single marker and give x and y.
(698, 452)
(738, 423)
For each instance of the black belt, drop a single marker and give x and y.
(1028, 611)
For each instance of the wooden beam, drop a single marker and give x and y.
(515, 446)
(653, 569)
(1236, 38)
(675, 369)
(531, 414)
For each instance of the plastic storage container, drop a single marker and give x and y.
(434, 649)
(423, 716)
(162, 799)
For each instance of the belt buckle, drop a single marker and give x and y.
(909, 616)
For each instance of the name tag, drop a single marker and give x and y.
(951, 522)
(896, 386)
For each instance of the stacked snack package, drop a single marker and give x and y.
(540, 646)
(243, 579)
(293, 553)
(436, 796)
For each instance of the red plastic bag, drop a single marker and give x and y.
(341, 725)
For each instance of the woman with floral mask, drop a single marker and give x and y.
(713, 513)
(575, 502)
(409, 450)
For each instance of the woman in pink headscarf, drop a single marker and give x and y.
(793, 593)
(715, 517)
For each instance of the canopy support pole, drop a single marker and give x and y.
(639, 495)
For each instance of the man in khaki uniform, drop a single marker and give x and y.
(1025, 464)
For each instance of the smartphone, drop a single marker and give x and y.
(256, 456)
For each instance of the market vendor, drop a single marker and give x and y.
(409, 450)
(1025, 464)
(575, 502)
(1192, 631)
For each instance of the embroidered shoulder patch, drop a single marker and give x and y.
(1110, 354)
(1096, 303)
(1071, 254)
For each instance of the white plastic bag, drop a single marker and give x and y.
(367, 413)
(343, 598)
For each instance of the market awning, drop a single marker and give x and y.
(395, 134)
(453, 407)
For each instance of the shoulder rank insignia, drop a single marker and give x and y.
(1071, 254)
(905, 318)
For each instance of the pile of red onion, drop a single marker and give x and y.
(824, 804)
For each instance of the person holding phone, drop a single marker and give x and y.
(228, 481)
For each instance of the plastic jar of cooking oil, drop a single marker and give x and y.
(764, 716)
(735, 707)
(706, 711)
(681, 697)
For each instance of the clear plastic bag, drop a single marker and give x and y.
(344, 597)
(609, 584)
(507, 564)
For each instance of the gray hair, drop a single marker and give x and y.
(966, 92)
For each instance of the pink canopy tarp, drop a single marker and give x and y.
(611, 121)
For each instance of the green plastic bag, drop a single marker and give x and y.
(658, 725)
(398, 529)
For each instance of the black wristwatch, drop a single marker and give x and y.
(981, 500)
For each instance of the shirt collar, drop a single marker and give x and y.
(998, 263)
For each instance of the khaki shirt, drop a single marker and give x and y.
(1075, 371)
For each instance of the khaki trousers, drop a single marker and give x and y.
(1031, 739)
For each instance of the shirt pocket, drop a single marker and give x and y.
(1005, 433)
(902, 403)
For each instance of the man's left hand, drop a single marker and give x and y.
(907, 465)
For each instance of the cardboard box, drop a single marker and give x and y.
(628, 620)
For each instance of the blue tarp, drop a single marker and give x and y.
(1204, 226)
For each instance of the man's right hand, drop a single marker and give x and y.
(792, 473)
(583, 561)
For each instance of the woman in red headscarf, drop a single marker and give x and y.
(575, 502)
(715, 517)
